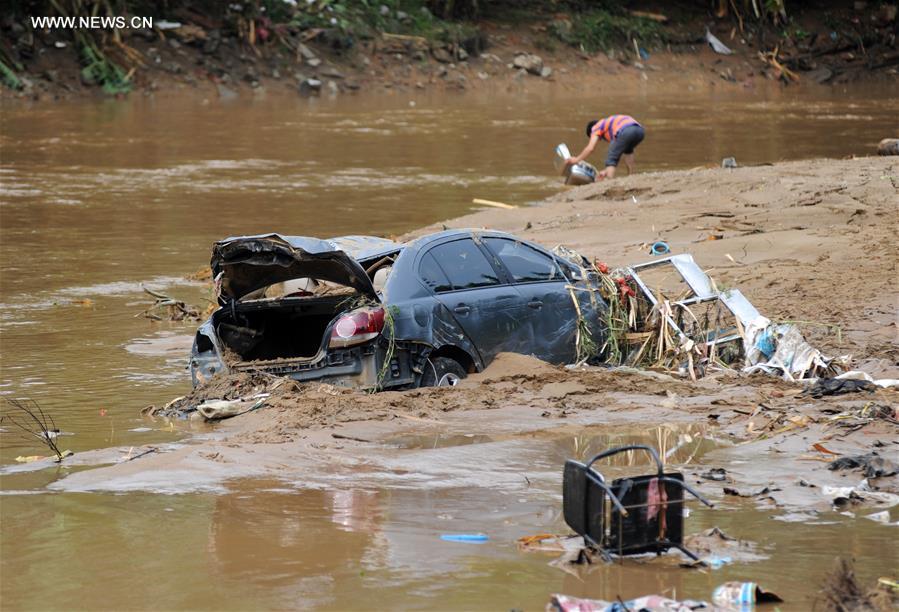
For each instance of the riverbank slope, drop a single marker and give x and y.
(234, 53)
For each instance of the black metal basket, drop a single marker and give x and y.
(630, 516)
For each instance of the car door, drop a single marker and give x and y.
(548, 304)
(483, 304)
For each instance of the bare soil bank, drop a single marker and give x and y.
(810, 241)
(828, 44)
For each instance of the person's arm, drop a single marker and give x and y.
(594, 138)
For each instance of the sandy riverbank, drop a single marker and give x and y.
(810, 241)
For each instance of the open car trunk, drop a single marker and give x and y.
(287, 328)
(245, 264)
(278, 294)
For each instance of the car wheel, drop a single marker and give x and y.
(442, 372)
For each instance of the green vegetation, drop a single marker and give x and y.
(797, 34)
(601, 30)
(368, 18)
(389, 336)
(100, 70)
(9, 77)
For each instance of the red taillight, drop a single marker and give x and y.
(357, 326)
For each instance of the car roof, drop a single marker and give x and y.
(461, 233)
(362, 248)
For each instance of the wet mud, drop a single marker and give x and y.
(752, 437)
(392, 472)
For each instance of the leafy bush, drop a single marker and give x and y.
(603, 30)
(100, 70)
(365, 17)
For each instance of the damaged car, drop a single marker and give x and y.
(367, 312)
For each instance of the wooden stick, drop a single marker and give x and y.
(421, 39)
(338, 436)
(492, 203)
(419, 419)
(658, 17)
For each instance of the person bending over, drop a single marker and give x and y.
(623, 133)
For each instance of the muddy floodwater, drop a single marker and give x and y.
(98, 200)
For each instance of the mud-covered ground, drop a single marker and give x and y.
(806, 241)
(809, 241)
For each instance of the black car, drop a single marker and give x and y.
(367, 312)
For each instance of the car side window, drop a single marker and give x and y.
(432, 275)
(464, 265)
(526, 265)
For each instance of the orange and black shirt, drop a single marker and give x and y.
(608, 128)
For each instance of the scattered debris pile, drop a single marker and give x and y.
(669, 314)
(841, 591)
(566, 603)
(728, 596)
(225, 396)
(167, 308)
(871, 464)
(716, 549)
(854, 419)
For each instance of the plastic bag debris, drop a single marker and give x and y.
(863, 493)
(879, 517)
(792, 357)
(214, 410)
(873, 465)
(716, 45)
(718, 474)
(162, 24)
(859, 375)
(714, 562)
(470, 538)
(835, 386)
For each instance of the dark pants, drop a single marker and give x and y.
(624, 143)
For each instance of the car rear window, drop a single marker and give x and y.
(464, 265)
(524, 263)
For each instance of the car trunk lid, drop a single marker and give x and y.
(247, 263)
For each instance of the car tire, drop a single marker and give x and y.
(442, 372)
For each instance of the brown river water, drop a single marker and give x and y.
(98, 199)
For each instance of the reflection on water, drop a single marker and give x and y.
(97, 200)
